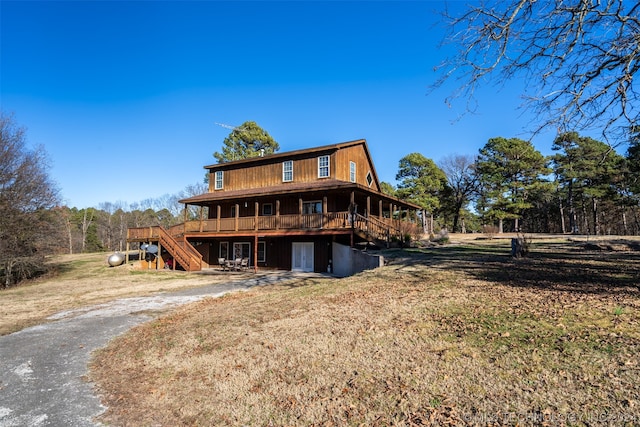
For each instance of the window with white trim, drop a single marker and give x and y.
(352, 171)
(287, 171)
(323, 167)
(224, 250)
(262, 252)
(219, 180)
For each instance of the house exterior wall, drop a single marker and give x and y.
(357, 155)
(269, 173)
(277, 250)
(347, 209)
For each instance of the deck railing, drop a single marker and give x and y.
(378, 228)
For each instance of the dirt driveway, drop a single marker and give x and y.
(42, 368)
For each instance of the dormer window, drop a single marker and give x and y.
(219, 179)
(287, 171)
(323, 167)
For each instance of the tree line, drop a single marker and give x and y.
(34, 224)
(585, 187)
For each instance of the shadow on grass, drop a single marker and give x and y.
(561, 266)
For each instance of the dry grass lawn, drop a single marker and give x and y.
(456, 335)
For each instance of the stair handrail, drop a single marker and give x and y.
(381, 230)
(185, 253)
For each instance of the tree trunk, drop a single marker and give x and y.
(67, 224)
(8, 271)
(86, 223)
(500, 228)
(596, 220)
(573, 217)
(431, 224)
(562, 225)
(456, 217)
(585, 219)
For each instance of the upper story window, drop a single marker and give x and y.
(352, 171)
(287, 171)
(323, 167)
(219, 179)
(369, 179)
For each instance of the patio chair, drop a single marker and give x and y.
(244, 264)
(222, 263)
(233, 264)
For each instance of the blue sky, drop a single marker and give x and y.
(125, 96)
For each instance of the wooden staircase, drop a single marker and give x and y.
(181, 250)
(178, 247)
(376, 231)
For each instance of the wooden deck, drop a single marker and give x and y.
(378, 228)
(175, 239)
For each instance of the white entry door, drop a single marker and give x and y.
(302, 256)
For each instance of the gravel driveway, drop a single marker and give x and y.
(42, 368)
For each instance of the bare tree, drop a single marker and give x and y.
(194, 190)
(87, 219)
(26, 198)
(577, 57)
(462, 182)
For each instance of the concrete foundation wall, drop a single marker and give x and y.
(348, 261)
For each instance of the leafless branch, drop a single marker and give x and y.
(577, 58)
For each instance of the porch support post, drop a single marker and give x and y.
(256, 218)
(393, 221)
(218, 211)
(126, 253)
(352, 208)
(299, 212)
(277, 214)
(237, 216)
(186, 215)
(324, 212)
(159, 257)
(201, 218)
(255, 253)
(368, 212)
(380, 210)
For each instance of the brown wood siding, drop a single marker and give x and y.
(305, 169)
(356, 154)
(278, 251)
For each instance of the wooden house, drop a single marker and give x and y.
(286, 211)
